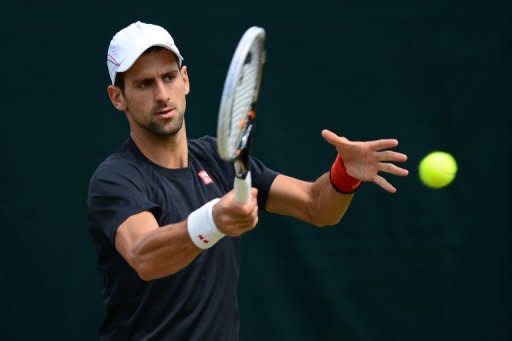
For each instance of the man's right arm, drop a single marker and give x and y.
(155, 252)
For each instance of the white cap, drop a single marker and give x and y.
(129, 43)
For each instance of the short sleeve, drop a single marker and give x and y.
(262, 178)
(116, 191)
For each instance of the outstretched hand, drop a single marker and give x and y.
(364, 160)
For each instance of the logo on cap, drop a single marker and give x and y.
(112, 59)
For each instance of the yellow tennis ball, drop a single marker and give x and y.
(437, 169)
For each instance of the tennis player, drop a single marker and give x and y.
(145, 199)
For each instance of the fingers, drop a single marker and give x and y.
(384, 184)
(254, 193)
(383, 144)
(234, 218)
(389, 155)
(329, 136)
(245, 209)
(379, 146)
(332, 138)
(247, 222)
(392, 169)
(365, 159)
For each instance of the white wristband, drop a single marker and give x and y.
(201, 226)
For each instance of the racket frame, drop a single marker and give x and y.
(240, 153)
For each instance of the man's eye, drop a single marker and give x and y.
(143, 84)
(169, 78)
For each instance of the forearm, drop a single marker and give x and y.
(155, 252)
(327, 205)
(163, 252)
(316, 203)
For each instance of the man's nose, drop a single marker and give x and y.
(161, 92)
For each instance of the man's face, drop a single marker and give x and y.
(154, 93)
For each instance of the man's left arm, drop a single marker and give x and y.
(325, 201)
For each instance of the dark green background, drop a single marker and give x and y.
(417, 265)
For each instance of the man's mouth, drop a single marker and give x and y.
(166, 113)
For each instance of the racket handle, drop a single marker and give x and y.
(243, 188)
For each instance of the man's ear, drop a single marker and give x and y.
(186, 81)
(116, 97)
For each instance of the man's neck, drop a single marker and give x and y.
(166, 151)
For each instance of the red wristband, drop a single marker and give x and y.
(340, 180)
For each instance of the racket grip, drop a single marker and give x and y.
(243, 188)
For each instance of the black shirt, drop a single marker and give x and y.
(200, 301)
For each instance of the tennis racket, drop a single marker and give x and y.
(237, 111)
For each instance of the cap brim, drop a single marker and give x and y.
(130, 60)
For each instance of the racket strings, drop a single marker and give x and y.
(237, 110)
(244, 96)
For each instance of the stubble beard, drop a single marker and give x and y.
(165, 129)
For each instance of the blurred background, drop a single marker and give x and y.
(417, 265)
